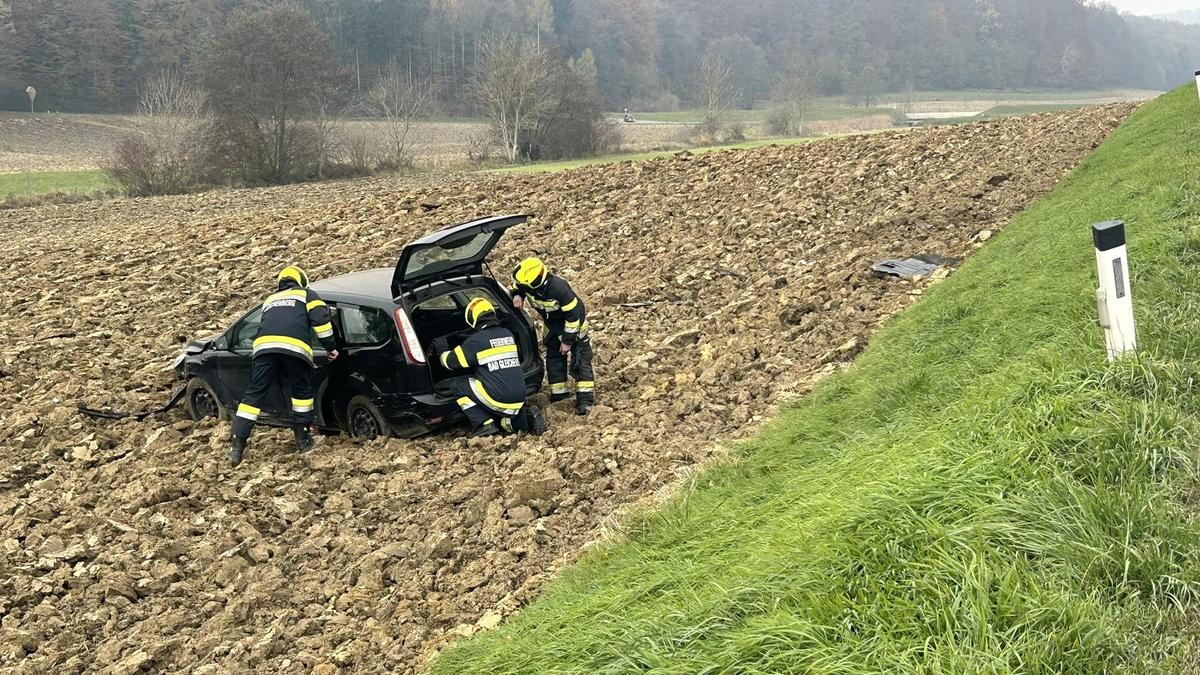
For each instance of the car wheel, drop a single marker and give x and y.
(364, 420)
(202, 401)
(535, 420)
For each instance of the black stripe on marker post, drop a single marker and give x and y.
(1108, 235)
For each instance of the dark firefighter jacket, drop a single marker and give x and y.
(559, 305)
(290, 316)
(491, 352)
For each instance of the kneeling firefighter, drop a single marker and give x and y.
(567, 331)
(493, 395)
(283, 353)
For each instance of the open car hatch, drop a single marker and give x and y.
(455, 251)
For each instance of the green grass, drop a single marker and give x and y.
(980, 493)
(44, 182)
(826, 111)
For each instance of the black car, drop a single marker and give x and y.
(385, 381)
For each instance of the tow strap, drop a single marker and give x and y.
(139, 416)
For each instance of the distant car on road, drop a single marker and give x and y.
(385, 320)
(629, 118)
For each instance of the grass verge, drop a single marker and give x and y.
(981, 492)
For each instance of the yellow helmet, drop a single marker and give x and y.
(531, 273)
(294, 273)
(476, 309)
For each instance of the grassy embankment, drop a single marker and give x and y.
(980, 493)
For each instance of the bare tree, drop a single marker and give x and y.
(515, 87)
(399, 98)
(326, 121)
(715, 93)
(169, 152)
(792, 98)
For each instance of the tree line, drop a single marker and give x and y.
(269, 103)
(97, 55)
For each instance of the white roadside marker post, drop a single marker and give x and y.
(1198, 82)
(1113, 297)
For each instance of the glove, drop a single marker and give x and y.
(440, 345)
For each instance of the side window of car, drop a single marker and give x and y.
(246, 329)
(364, 326)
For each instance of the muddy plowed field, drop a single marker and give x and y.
(719, 285)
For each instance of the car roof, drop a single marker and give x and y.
(373, 285)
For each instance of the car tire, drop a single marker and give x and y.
(365, 421)
(201, 401)
(535, 420)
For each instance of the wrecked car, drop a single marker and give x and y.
(385, 382)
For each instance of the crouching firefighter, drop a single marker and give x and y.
(567, 331)
(493, 395)
(283, 353)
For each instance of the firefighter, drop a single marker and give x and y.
(493, 395)
(283, 353)
(567, 331)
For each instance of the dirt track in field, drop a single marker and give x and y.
(719, 285)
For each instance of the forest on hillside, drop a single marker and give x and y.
(94, 55)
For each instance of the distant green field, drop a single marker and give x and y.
(826, 109)
(44, 182)
(1028, 95)
(1032, 109)
(538, 167)
(822, 113)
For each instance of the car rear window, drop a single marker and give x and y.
(438, 256)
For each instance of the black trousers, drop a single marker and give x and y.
(481, 413)
(580, 368)
(294, 373)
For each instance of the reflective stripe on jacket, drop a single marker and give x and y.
(491, 354)
(560, 306)
(290, 317)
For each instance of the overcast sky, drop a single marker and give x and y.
(1153, 6)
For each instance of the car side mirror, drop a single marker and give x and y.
(221, 343)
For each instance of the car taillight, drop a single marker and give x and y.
(408, 338)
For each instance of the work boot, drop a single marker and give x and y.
(555, 398)
(582, 409)
(237, 448)
(486, 430)
(304, 439)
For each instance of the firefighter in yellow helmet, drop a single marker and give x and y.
(493, 395)
(283, 353)
(567, 331)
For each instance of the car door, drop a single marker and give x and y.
(233, 362)
(370, 362)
